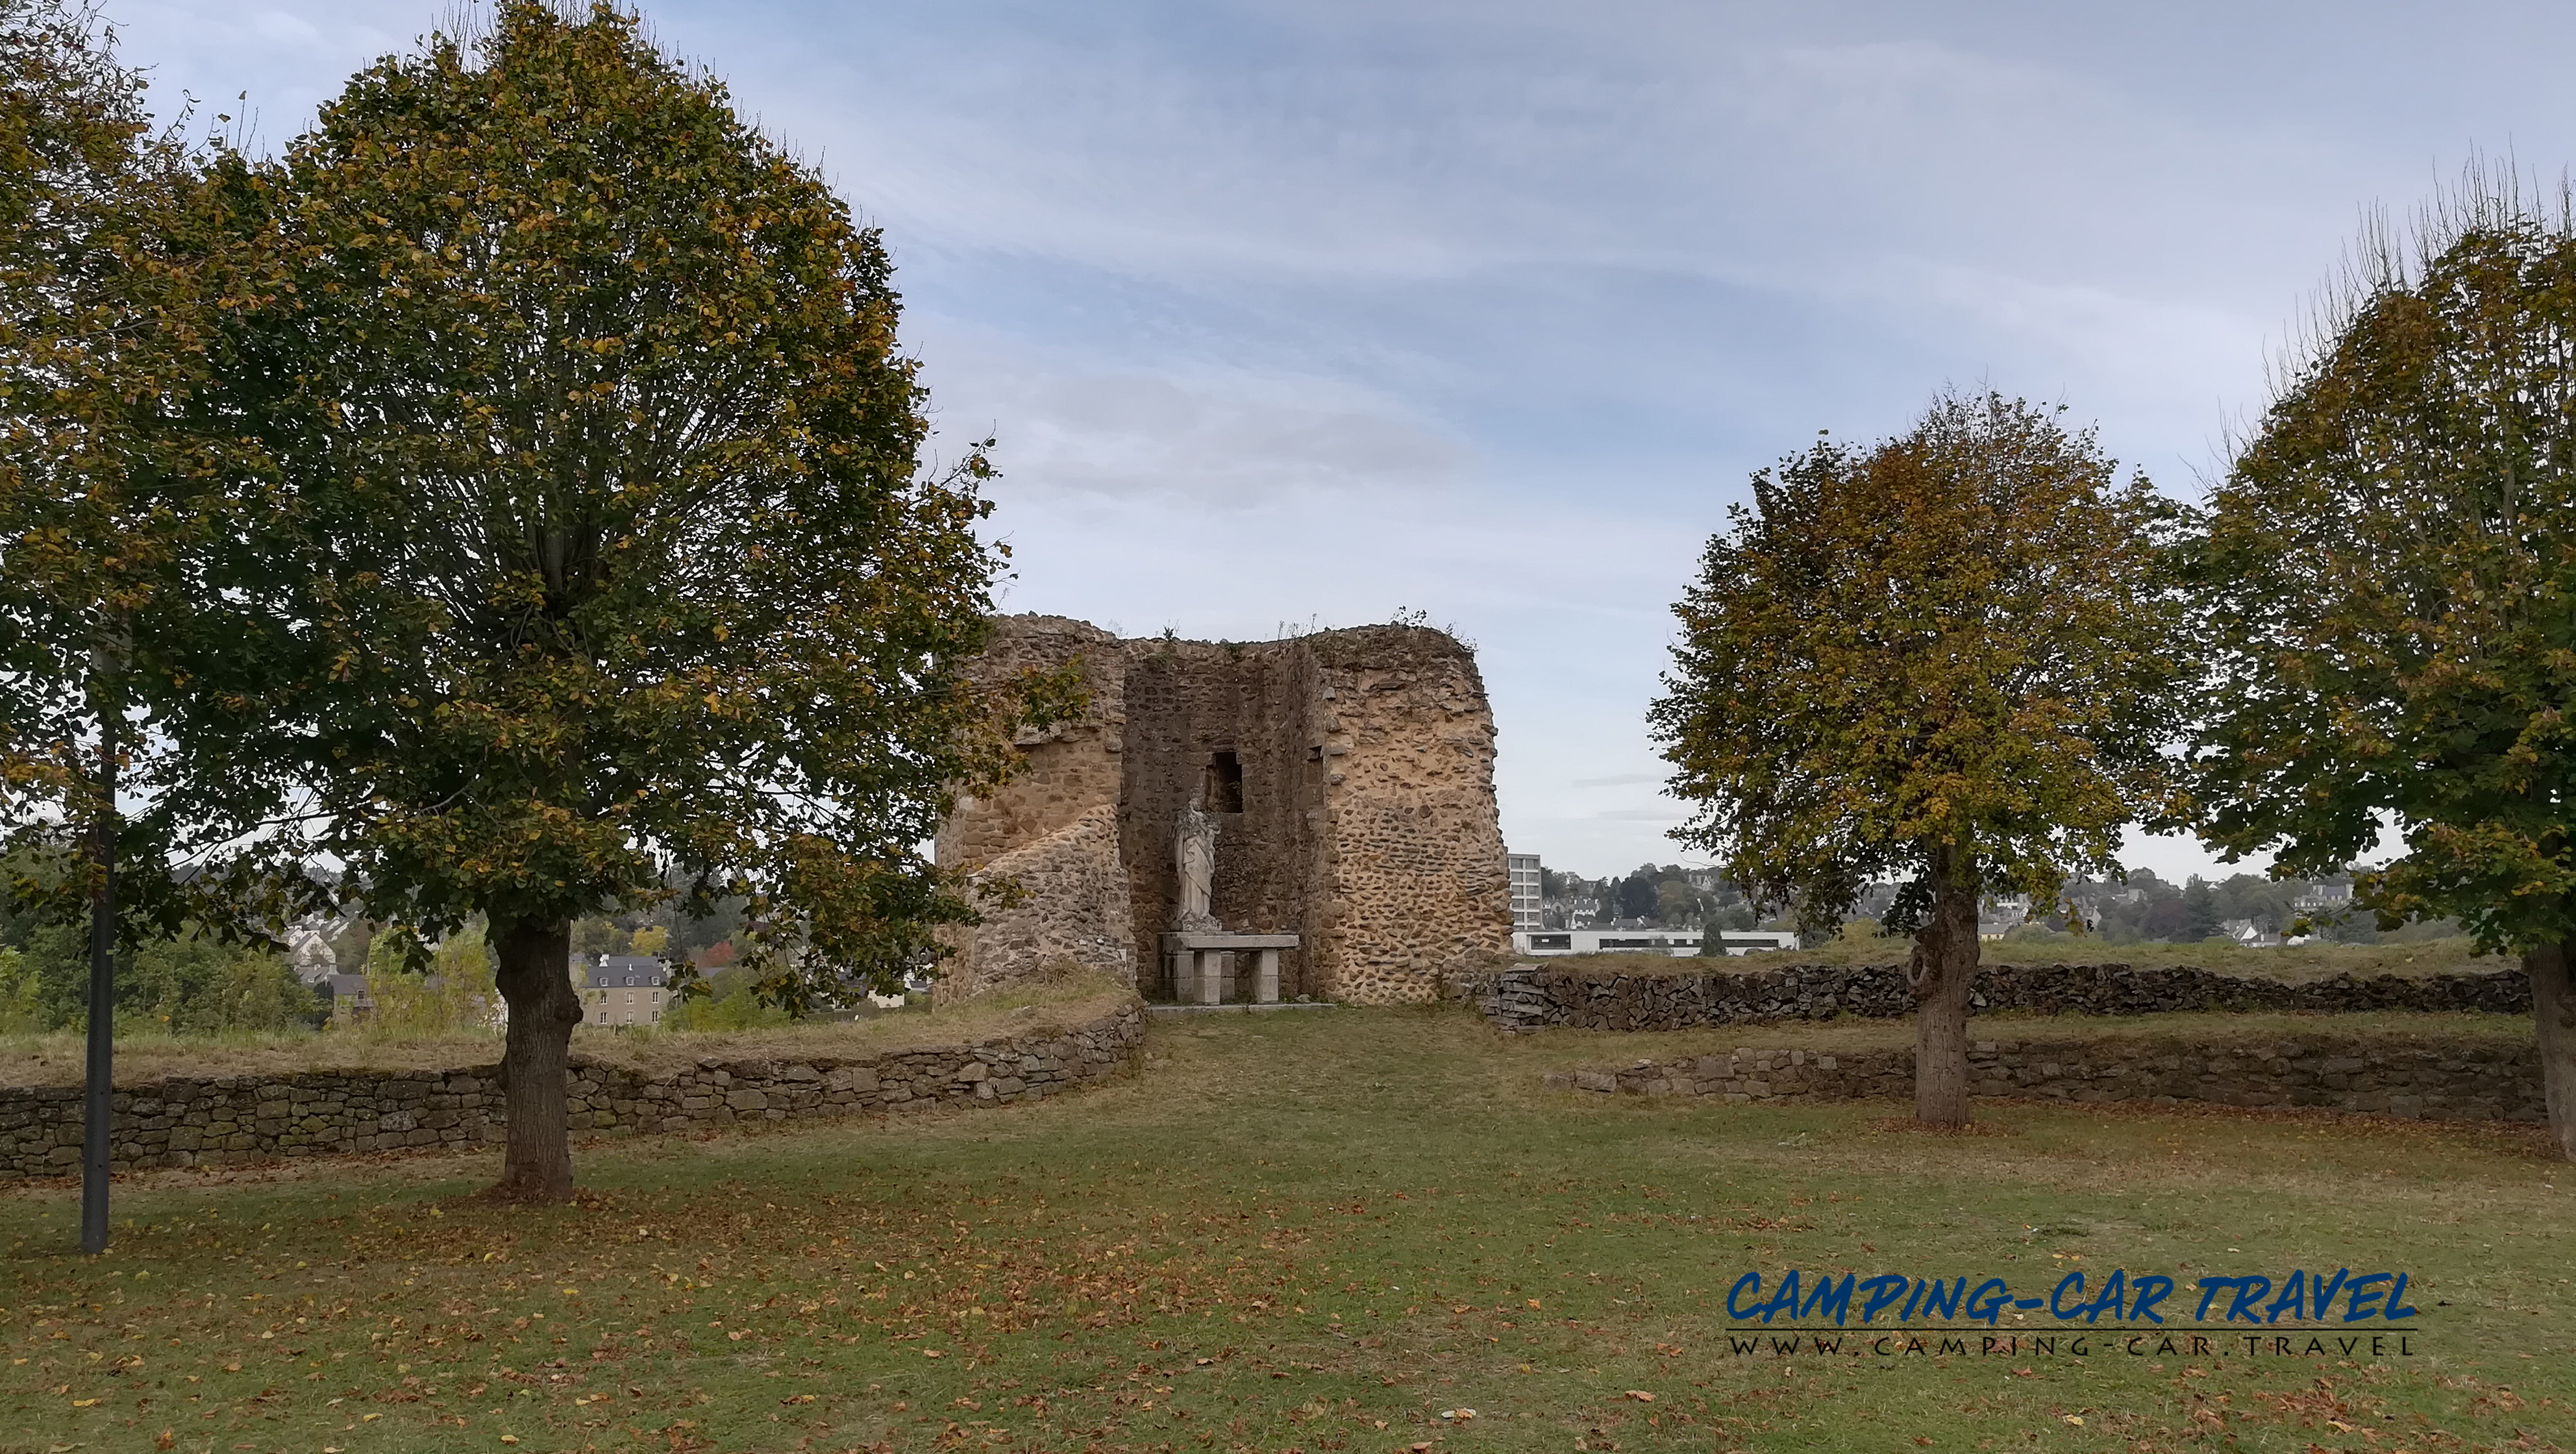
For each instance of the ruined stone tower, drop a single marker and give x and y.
(1348, 776)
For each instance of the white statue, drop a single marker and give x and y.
(1195, 855)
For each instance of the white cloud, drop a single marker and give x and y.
(1307, 310)
(1194, 435)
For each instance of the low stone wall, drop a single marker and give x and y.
(2344, 1073)
(327, 1113)
(1531, 996)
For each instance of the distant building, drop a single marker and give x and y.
(2002, 915)
(1678, 943)
(308, 952)
(626, 989)
(1525, 876)
(2325, 896)
(350, 1001)
(2248, 933)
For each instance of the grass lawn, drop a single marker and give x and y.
(58, 1057)
(1308, 1231)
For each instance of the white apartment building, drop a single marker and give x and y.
(1525, 879)
(1678, 943)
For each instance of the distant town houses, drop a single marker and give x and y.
(1674, 906)
(348, 995)
(2000, 916)
(1678, 943)
(308, 950)
(623, 990)
(2325, 896)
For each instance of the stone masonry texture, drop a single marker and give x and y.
(1349, 774)
(2327, 1071)
(1532, 996)
(328, 1113)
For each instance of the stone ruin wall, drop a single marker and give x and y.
(1366, 825)
(1070, 768)
(1065, 914)
(253, 1118)
(1049, 837)
(1186, 702)
(1413, 843)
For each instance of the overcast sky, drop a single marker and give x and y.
(1305, 313)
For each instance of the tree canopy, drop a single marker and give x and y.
(113, 477)
(1946, 660)
(607, 551)
(1962, 637)
(2390, 574)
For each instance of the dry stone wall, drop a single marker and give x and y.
(1349, 775)
(1532, 996)
(2464, 1082)
(326, 1113)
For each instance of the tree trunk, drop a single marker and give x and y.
(2553, 1010)
(532, 963)
(98, 1091)
(1945, 965)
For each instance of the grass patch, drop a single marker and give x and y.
(2296, 964)
(1312, 1232)
(57, 1059)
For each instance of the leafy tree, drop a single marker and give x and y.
(731, 1004)
(455, 997)
(22, 992)
(196, 982)
(116, 474)
(351, 947)
(2200, 911)
(596, 936)
(1637, 897)
(2269, 903)
(607, 552)
(1945, 661)
(2167, 919)
(116, 483)
(652, 939)
(2391, 571)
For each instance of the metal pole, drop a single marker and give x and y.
(101, 1082)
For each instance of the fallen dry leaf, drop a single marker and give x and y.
(1641, 1396)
